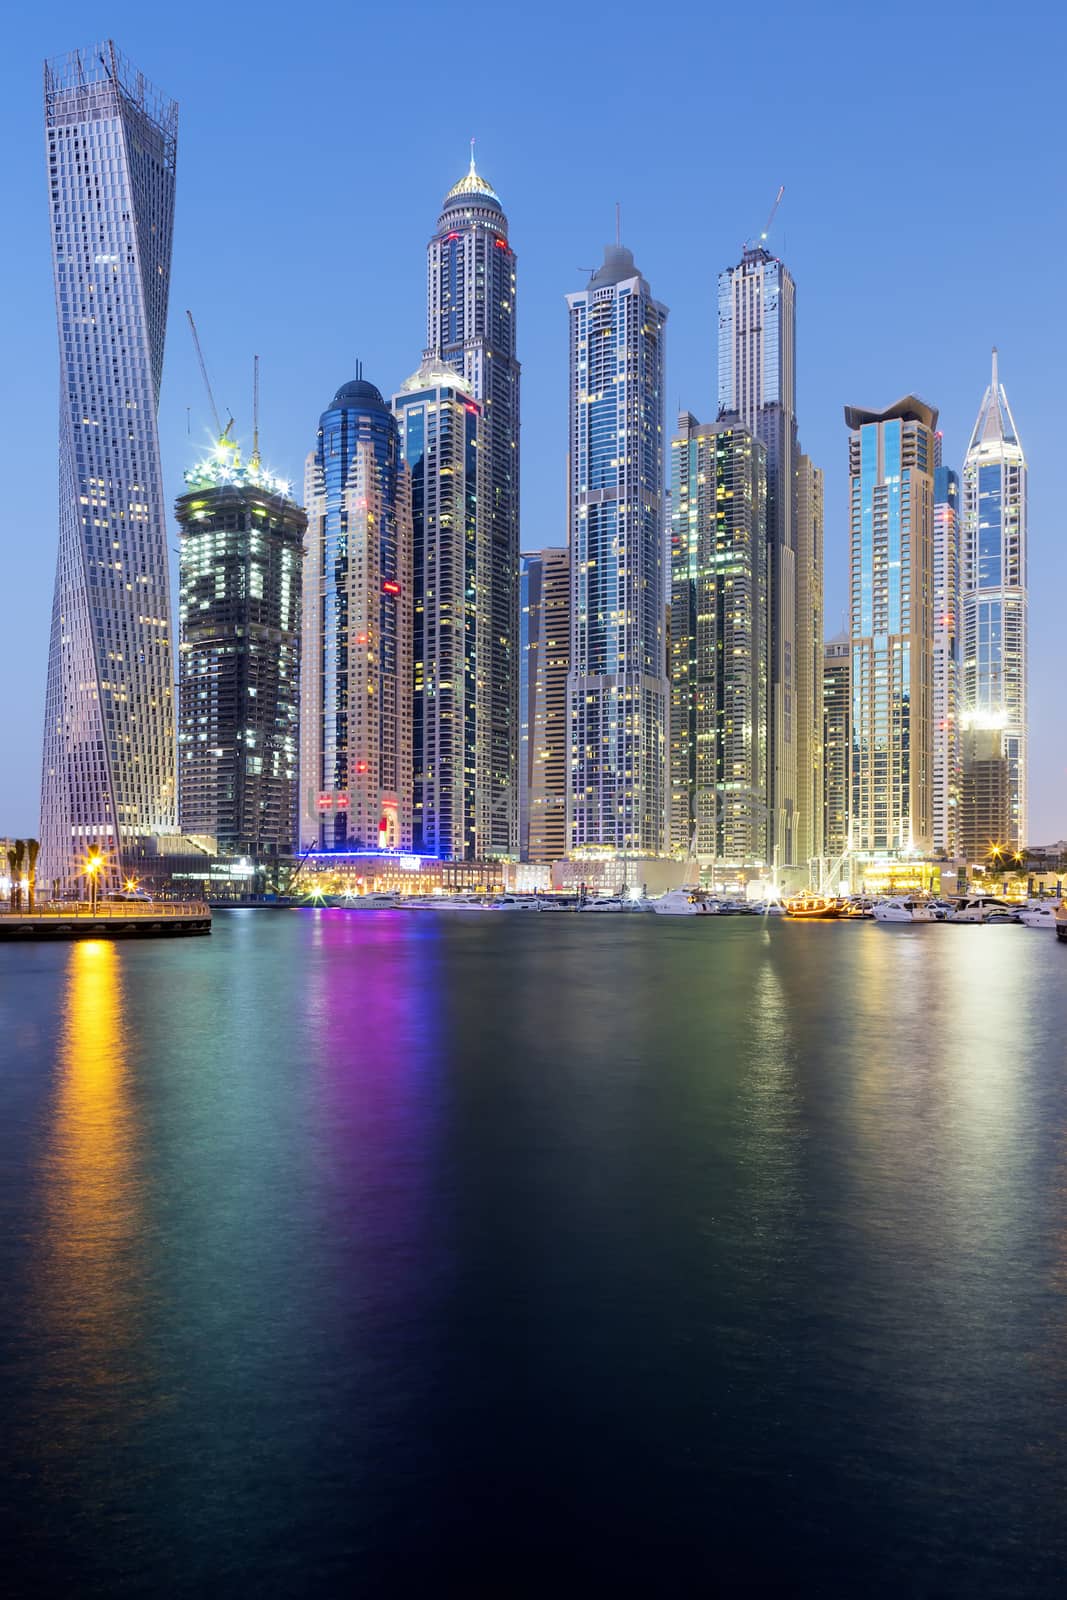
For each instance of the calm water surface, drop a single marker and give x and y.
(351, 1252)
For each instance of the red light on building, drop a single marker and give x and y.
(451, 236)
(325, 802)
(468, 407)
(501, 244)
(390, 586)
(342, 802)
(361, 766)
(361, 638)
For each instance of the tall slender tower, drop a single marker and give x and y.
(891, 501)
(809, 835)
(719, 619)
(439, 426)
(109, 752)
(946, 659)
(546, 628)
(617, 685)
(470, 326)
(994, 597)
(356, 655)
(837, 744)
(757, 382)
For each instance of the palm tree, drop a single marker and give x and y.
(20, 856)
(32, 847)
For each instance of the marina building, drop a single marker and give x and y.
(470, 327)
(356, 650)
(108, 771)
(719, 643)
(891, 504)
(239, 611)
(617, 685)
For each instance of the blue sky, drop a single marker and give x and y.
(923, 219)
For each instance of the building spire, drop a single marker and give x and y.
(473, 170)
(996, 384)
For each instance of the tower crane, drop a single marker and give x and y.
(755, 243)
(221, 433)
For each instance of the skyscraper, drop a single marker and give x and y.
(809, 841)
(757, 381)
(356, 700)
(546, 612)
(994, 595)
(946, 660)
(719, 638)
(617, 687)
(108, 760)
(891, 466)
(239, 618)
(470, 326)
(439, 426)
(837, 743)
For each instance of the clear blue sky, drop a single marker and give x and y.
(920, 146)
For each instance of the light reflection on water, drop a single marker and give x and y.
(342, 1243)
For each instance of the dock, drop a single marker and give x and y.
(80, 920)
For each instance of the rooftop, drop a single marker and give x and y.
(909, 409)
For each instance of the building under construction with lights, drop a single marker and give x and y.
(239, 616)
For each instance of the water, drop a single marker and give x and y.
(352, 1252)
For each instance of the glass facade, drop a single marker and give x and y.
(239, 617)
(757, 383)
(891, 460)
(995, 601)
(108, 773)
(546, 604)
(719, 643)
(617, 685)
(470, 326)
(356, 702)
(439, 427)
(837, 741)
(946, 660)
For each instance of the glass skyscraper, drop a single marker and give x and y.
(546, 605)
(239, 618)
(439, 426)
(837, 743)
(757, 383)
(891, 514)
(617, 685)
(994, 597)
(946, 660)
(108, 773)
(809, 832)
(356, 652)
(719, 641)
(470, 326)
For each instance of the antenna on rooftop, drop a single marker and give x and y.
(255, 412)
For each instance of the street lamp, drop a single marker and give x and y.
(93, 865)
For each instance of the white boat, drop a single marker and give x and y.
(604, 902)
(981, 908)
(1039, 914)
(903, 909)
(514, 902)
(683, 903)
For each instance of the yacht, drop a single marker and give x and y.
(604, 902)
(514, 902)
(901, 909)
(981, 908)
(1061, 923)
(1040, 913)
(683, 903)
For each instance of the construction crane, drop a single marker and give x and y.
(755, 243)
(221, 433)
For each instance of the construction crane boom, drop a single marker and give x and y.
(774, 213)
(220, 432)
(255, 411)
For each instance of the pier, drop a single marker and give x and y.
(82, 920)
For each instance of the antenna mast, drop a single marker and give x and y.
(255, 412)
